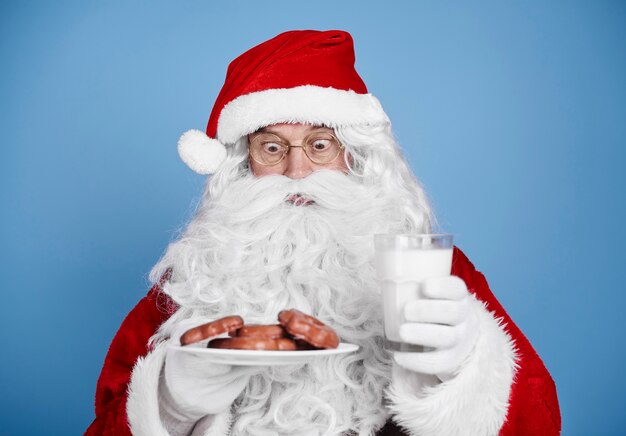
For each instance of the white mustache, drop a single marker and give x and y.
(258, 195)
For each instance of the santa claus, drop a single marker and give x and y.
(304, 171)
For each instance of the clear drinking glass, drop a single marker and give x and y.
(403, 261)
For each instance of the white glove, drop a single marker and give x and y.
(196, 387)
(445, 321)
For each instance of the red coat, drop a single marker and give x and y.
(505, 389)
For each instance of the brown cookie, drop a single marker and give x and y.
(308, 328)
(253, 343)
(212, 329)
(274, 331)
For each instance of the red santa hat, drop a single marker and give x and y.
(302, 76)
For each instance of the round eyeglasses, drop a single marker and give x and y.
(269, 149)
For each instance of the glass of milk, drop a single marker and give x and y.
(402, 262)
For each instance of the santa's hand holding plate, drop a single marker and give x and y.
(192, 388)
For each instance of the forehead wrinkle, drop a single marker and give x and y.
(309, 128)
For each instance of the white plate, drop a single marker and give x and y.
(261, 357)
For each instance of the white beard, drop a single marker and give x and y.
(251, 253)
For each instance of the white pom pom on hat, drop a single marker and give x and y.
(300, 76)
(201, 153)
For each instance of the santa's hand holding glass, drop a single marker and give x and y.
(430, 322)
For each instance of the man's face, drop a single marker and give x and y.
(296, 164)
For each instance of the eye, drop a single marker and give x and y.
(272, 148)
(320, 144)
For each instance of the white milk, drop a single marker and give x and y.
(400, 273)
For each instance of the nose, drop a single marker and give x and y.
(297, 165)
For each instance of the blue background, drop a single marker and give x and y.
(511, 113)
